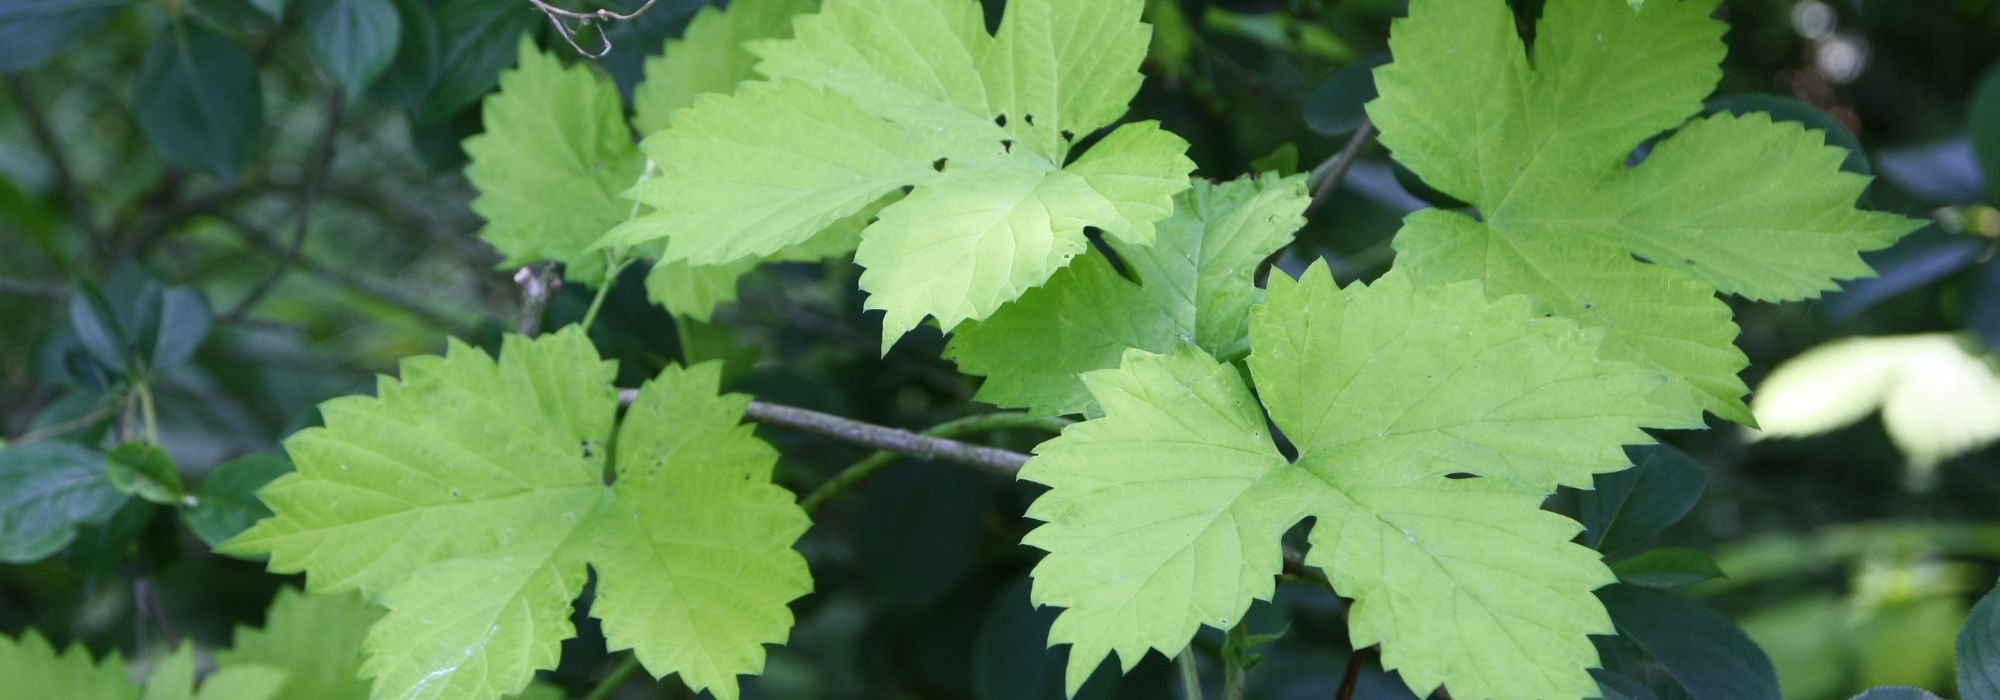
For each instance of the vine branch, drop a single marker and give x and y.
(38, 126)
(852, 476)
(336, 105)
(260, 239)
(1327, 175)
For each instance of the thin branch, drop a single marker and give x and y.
(618, 676)
(903, 442)
(586, 20)
(38, 126)
(1352, 677)
(1189, 674)
(1327, 175)
(260, 239)
(102, 413)
(1325, 178)
(33, 288)
(336, 105)
(852, 476)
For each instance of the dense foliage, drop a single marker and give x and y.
(1463, 409)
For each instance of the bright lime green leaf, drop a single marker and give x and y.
(872, 96)
(693, 291)
(172, 676)
(1938, 399)
(468, 498)
(697, 566)
(32, 669)
(1196, 287)
(554, 156)
(315, 639)
(709, 57)
(1737, 205)
(1166, 513)
(243, 683)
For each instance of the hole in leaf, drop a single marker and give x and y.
(1007, 145)
(1029, 118)
(1111, 255)
(1068, 135)
(938, 164)
(1461, 475)
(1000, 121)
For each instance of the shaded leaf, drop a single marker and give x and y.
(1630, 507)
(1667, 567)
(47, 489)
(354, 40)
(37, 30)
(1708, 656)
(228, 501)
(198, 101)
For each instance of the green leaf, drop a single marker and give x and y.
(97, 327)
(315, 640)
(419, 57)
(1339, 105)
(144, 470)
(228, 501)
(1630, 507)
(354, 40)
(37, 30)
(198, 101)
(872, 96)
(550, 164)
(1166, 514)
(1898, 692)
(1667, 567)
(34, 670)
(709, 57)
(696, 564)
(184, 322)
(477, 41)
(1196, 287)
(1704, 653)
(173, 679)
(468, 498)
(694, 291)
(1979, 651)
(1983, 121)
(1733, 204)
(47, 489)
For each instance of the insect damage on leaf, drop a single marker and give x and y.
(1538, 142)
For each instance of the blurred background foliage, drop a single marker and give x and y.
(293, 167)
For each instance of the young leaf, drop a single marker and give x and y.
(871, 96)
(198, 101)
(315, 639)
(1166, 513)
(1195, 286)
(1666, 567)
(47, 489)
(468, 498)
(34, 670)
(1739, 205)
(145, 470)
(549, 166)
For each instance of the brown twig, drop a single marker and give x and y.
(261, 239)
(38, 126)
(903, 442)
(585, 20)
(336, 104)
(1325, 178)
(536, 289)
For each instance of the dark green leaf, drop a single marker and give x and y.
(228, 502)
(97, 329)
(1984, 125)
(1284, 161)
(354, 40)
(479, 41)
(1667, 567)
(1336, 107)
(1631, 506)
(1618, 686)
(198, 100)
(1013, 660)
(1704, 653)
(415, 67)
(1899, 692)
(145, 470)
(235, 16)
(46, 490)
(1979, 652)
(37, 30)
(274, 8)
(100, 547)
(1787, 109)
(184, 322)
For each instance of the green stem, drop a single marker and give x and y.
(604, 290)
(617, 678)
(1235, 648)
(852, 476)
(146, 413)
(1190, 676)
